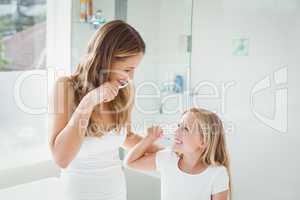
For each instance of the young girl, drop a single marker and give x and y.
(197, 167)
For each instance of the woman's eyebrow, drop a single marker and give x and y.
(124, 66)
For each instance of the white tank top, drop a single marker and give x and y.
(95, 173)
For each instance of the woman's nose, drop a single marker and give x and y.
(130, 75)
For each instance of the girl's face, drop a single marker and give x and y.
(188, 136)
(123, 71)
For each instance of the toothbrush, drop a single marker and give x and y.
(124, 84)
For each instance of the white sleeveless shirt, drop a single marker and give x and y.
(96, 171)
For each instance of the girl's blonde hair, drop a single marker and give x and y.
(215, 152)
(114, 41)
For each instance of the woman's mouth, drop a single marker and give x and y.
(123, 83)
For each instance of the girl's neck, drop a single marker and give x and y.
(192, 163)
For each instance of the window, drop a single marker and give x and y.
(22, 34)
(22, 53)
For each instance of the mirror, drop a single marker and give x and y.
(234, 58)
(162, 78)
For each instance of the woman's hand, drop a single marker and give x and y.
(104, 93)
(153, 133)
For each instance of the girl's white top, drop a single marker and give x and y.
(96, 171)
(178, 185)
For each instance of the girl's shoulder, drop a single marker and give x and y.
(218, 171)
(217, 168)
(166, 157)
(168, 153)
(220, 179)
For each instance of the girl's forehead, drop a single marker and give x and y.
(188, 119)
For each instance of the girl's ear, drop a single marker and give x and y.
(203, 145)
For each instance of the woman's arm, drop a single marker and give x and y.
(67, 129)
(138, 157)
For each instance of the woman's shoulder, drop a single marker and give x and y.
(64, 84)
(63, 93)
(64, 79)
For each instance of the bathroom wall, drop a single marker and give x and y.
(24, 153)
(82, 31)
(264, 152)
(165, 26)
(19, 111)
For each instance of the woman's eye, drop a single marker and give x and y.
(127, 70)
(185, 128)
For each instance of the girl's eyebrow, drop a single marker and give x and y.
(187, 125)
(184, 124)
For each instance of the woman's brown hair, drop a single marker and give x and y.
(114, 41)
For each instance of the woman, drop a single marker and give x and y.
(91, 118)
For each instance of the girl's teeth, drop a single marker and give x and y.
(178, 141)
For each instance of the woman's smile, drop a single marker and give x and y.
(123, 83)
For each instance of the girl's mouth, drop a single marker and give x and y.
(177, 141)
(123, 83)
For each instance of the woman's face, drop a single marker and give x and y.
(188, 136)
(123, 71)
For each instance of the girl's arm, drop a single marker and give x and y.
(138, 157)
(220, 196)
(132, 138)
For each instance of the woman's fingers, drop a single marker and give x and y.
(111, 90)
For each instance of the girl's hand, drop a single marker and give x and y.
(104, 93)
(154, 132)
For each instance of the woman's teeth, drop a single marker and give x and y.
(123, 83)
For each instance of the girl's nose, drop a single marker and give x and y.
(177, 132)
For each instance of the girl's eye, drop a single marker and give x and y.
(127, 70)
(184, 127)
